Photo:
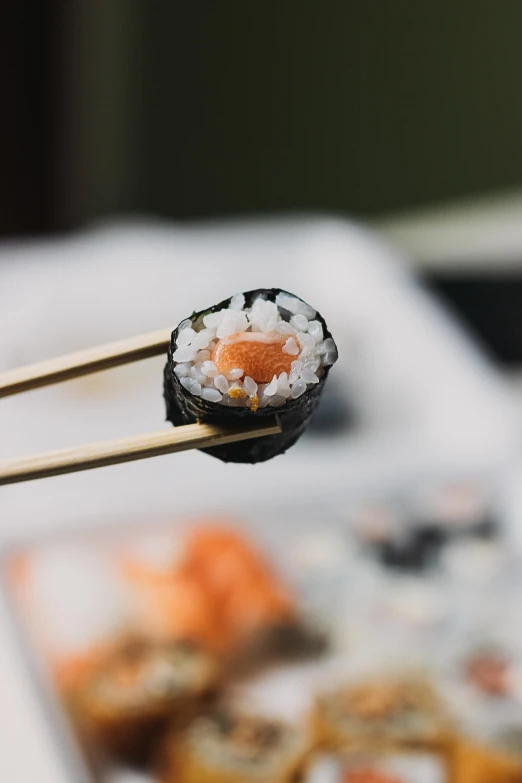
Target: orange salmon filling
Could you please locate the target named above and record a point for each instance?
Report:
(260, 355)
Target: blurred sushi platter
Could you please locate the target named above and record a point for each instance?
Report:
(378, 642)
(347, 613)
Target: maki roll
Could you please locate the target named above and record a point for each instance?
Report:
(230, 747)
(378, 715)
(403, 767)
(138, 690)
(249, 357)
(491, 672)
(488, 759)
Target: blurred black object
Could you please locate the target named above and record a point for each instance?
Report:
(490, 305)
(419, 547)
(415, 550)
(33, 67)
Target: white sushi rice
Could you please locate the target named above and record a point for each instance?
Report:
(199, 375)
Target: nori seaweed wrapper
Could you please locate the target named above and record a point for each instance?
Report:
(186, 408)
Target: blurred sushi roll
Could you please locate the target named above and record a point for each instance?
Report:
(249, 357)
(493, 759)
(381, 714)
(489, 671)
(404, 767)
(412, 550)
(134, 693)
(482, 691)
(483, 685)
(231, 747)
(452, 510)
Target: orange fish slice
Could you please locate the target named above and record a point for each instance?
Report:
(180, 609)
(244, 590)
(259, 354)
(222, 561)
(226, 562)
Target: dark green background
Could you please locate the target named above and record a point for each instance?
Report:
(225, 108)
(203, 109)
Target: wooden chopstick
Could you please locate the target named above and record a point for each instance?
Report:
(113, 452)
(73, 365)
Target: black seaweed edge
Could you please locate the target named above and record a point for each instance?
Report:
(185, 408)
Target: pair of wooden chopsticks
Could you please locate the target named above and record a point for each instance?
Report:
(111, 452)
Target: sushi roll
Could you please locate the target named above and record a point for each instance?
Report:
(230, 747)
(249, 357)
(129, 700)
(488, 760)
(378, 715)
(489, 671)
(404, 767)
(454, 510)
